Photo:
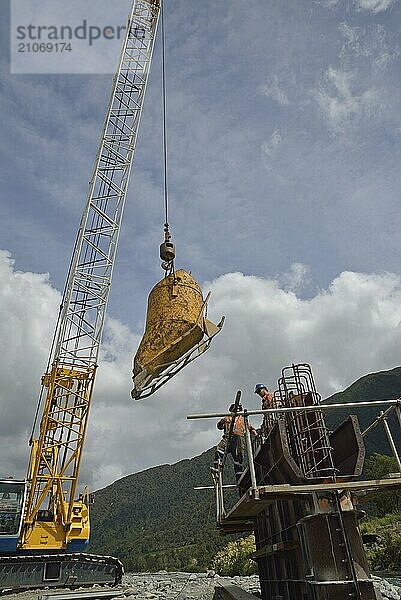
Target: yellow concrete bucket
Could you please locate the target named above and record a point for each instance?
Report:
(176, 332)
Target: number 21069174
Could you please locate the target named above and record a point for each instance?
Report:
(44, 47)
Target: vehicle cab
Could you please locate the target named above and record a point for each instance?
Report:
(12, 499)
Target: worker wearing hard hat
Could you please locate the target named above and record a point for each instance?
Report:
(236, 442)
(267, 402)
(267, 397)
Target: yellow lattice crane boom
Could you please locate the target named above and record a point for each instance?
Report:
(42, 521)
(43, 514)
(56, 453)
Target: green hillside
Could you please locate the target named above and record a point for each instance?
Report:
(155, 520)
(384, 385)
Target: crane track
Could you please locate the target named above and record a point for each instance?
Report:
(82, 595)
(23, 572)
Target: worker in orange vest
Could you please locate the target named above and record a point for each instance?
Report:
(267, 397)
(236, 443)
(267, 402)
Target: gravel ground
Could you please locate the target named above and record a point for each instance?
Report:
(387, 589)
(163, 586)
(182, 586)
(188, 586)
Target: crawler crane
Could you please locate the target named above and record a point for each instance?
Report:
(44, 528)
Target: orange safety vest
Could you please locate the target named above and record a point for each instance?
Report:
(239, 425)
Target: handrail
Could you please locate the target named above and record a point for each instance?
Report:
(392, 404)
(396, 402)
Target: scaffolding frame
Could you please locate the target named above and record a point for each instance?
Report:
(256, 492)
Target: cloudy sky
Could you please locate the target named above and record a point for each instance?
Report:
(284, 122)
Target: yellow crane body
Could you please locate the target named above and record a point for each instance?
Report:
(54, 466)
(42, 521)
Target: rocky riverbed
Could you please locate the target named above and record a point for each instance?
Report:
(387, 590)
(162, 586)
(183, 586)
(187, 586)
(200, 586)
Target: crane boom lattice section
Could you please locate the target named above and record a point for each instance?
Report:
(56, 454)
(88, 286)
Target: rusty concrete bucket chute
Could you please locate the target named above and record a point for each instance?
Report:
(177, 331)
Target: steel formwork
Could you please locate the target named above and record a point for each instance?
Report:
(300, 495)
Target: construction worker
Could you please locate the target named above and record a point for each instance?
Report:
(267, 397)
(267, 402)
(236, 442)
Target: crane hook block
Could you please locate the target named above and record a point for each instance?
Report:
(167, 251)
(176, 332)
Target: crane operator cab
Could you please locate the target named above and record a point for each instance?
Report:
(12, 498)
(177, 331)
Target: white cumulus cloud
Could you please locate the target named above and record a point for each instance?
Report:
(28, 309)
(347, 330)
(296, 278)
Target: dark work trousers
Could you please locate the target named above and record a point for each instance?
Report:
(235, 448)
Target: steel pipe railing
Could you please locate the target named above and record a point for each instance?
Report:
(377, 421)
(391, 442)
(250, 453)
(392, 404)
(284, 409)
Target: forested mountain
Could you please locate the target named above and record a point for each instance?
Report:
(384, 385)
(155, 520)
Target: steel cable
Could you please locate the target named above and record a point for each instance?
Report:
(164, 94)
